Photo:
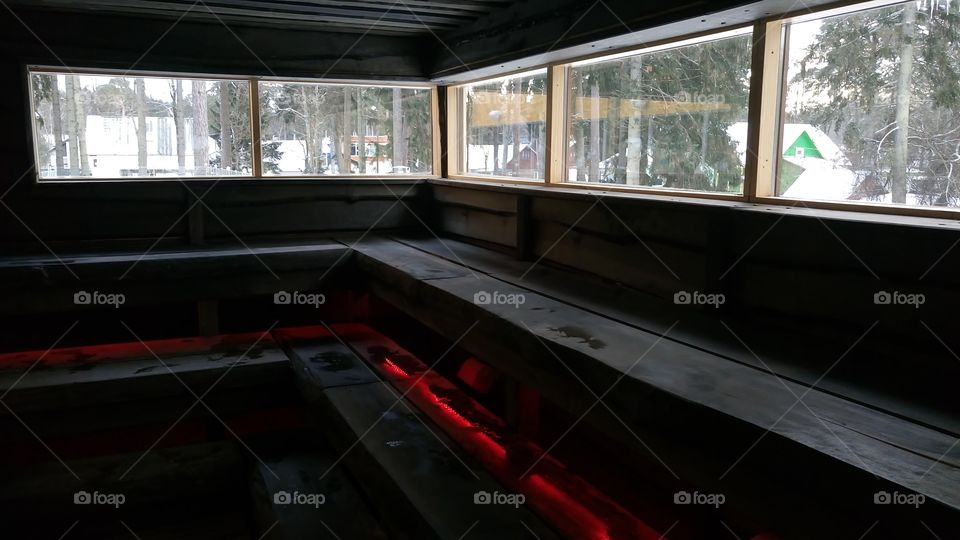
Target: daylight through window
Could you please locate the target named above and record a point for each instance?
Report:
(673, 118)
(105, 126)
(505, 126)
(315, 129)
(872, 107)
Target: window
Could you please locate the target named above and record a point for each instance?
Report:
(504, 132)
(871, 107)
(112, 126)
(670, 118)
(317, 129)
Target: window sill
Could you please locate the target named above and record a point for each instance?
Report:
(244, 180)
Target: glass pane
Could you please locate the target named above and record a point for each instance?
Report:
(88, 126)
(315, 129)
(506, 127)
(873, 107)
(671, 119)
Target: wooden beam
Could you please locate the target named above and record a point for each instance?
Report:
(556, 129)
(765, 110)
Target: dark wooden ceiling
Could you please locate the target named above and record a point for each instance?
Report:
(384, 17)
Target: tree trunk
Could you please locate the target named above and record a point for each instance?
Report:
(347, 140)
(226, 131)
(309, 132)
(71, 111)
(140, 88)
(335, 145)
(634, 137)
(82, 132)
(58, 149)
(399, 155)
(649, 148)
(361, 135)
(622, 127)
(595, 155)
(201, 150)
(517, 96)
(898, 177)
(612, 147)
(178, 127)
(81, 113)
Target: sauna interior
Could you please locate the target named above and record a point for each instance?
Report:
(479, 269)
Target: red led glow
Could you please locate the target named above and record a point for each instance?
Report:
(394, 369)
(565, 509)
(571, 504)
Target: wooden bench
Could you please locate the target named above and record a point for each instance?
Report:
(698, 418)
(417, 476)
(47, 284)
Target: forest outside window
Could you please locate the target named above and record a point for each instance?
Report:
(671, 117)
(309, 129)
(505, 127)
(870, 106)
(117, 126)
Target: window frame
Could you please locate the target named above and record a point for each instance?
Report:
(456, 119)
(765, 109)
(559, 114)
(772, 103)
(254, 114)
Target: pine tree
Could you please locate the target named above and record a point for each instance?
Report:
(888, 86)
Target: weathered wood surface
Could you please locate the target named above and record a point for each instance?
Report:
(196, 487)
(725, 405)
(80, 377)
(859, 377)
(310, 472)
(169, 264)
(487, 226)
(44, 284)
(322, 359)
(406, 467)
(503, 452)
(528, 31)
(166, 44)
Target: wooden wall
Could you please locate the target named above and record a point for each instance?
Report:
(812, 273)
(84, 216)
